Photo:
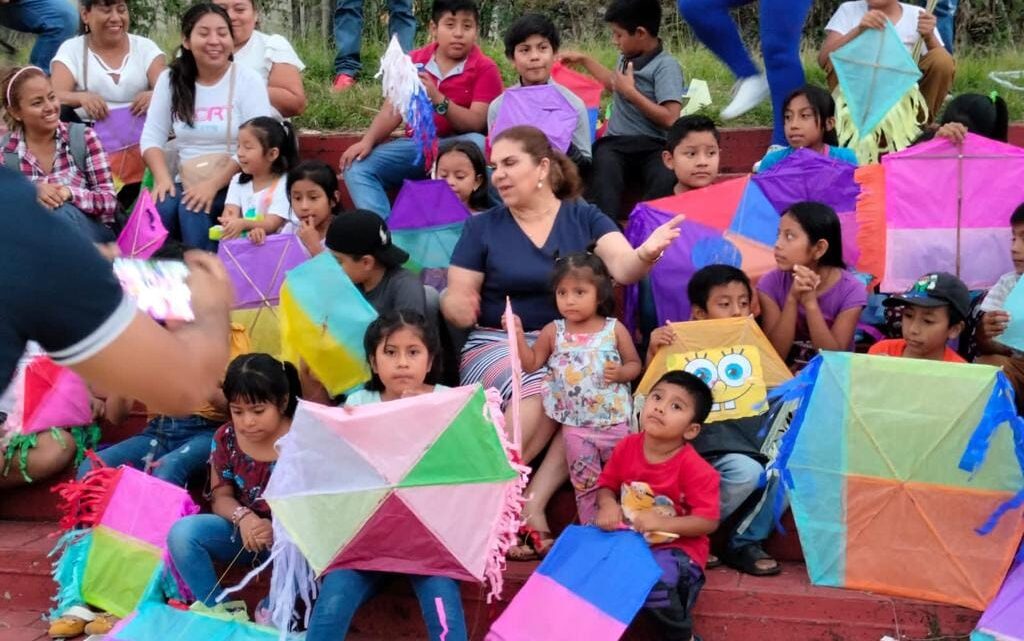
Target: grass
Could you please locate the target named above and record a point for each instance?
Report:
(353, 110)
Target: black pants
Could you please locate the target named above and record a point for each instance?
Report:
(627, 163)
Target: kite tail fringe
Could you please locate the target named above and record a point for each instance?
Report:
(401, 84)
(71, 550)
(898, 130)
(871, 230)
(18, 449)
(82, 501)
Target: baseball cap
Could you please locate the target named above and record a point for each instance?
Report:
(363, 233)
(935, 290)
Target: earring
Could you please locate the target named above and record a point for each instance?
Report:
(540, 183)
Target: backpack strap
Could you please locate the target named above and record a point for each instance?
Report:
(11, 160)
(76, 135)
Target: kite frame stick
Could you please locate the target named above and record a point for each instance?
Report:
(264, 301)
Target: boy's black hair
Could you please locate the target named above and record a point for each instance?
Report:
(272, 134)
(1017, 217)
(479, 199)
(261, 378)
(687, 125)
(819, 221)
(390, 322)
(986, 116)
(532, 24)
(633, 14)
(441, 8)
(578, 264)
(170, 250)
(824, 108)
(711, 276)
(698, 390)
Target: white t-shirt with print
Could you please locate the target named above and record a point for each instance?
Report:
(270, 201)
(263, 51)
(133, 74)
(849, 14)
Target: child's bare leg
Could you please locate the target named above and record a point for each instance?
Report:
(47, 458)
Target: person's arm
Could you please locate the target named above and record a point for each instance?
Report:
(779, 324)
(460, 302)
(631, 364)
(142, 100)
(155, 134)
(534, 358)
(836, 338)
(98, 198)
(660, 337)
(64, 85)
(993, 323)
(284, 87)
(628, 265)
(663, 114)
(472, 119)
(386, 120)
(609, 512)
(600, 72)
(926, 24)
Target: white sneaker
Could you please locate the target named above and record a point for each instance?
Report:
(747, 93)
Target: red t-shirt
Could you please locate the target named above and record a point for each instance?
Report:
(479, 81)
(685, 485)
(896, 347)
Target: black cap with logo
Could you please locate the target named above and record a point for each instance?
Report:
(363, 233)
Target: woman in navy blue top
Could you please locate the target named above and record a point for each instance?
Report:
(511, 250)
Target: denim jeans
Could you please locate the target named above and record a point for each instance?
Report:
(945, 18)
(195, 542)
(740, 476)
(84, 224)
(192, 228)
(368, 180)
(760, 521)
(178, 449)
(343, 591)
(53, 21)
(348, 31)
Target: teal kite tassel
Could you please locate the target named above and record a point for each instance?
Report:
(72, 549)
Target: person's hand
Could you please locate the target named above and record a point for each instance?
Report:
(308, 234)
(95, 107)
(435, 95)
(662, 337)
(609, 517)
(110, 251)
(623, 82)
(163, 188)
(518, 322)
(954, 132)
(926, 24)
(51, 196)
(257, 235)
(463, 306)
(212, 292)
(571, 57)
(874, 19)
(805, 285)
(233, 226)
(648, 521)
(140, 105)
(612, 372)
(356, 152)
(199, 197)
(994, 323)
(659, 240)
(98, 407)
(263, 534)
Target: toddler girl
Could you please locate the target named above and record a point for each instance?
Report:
(313, 190)
(810, 121)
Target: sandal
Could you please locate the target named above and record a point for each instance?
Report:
(534, 545)
(70, 624)
(713, 562)
(102, 624)
(746, 558)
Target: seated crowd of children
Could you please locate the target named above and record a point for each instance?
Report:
(700, 478)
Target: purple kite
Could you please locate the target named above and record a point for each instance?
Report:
(426, 221)
(1004, 618)
(120, 129)
(540, 106)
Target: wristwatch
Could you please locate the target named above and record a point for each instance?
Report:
(442, 107)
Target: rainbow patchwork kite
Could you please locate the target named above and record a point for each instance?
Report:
(902, 492)
(590, 586)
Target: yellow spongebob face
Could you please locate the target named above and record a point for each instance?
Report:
(734, 376)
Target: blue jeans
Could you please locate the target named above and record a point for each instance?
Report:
(343, 591)
(348, 31)
(178, 448)
(192, 228)
(368, 180)
(53, 21)
(195, 542)
(740, 477)
(945, 18)
(760, 521)
(84, 224)
(782, 23)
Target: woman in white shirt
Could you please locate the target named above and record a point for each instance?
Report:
(269, 55)
(202, 99)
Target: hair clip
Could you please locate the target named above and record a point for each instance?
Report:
(994, 95)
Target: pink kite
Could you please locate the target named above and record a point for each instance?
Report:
(48, 395)
(144, 232)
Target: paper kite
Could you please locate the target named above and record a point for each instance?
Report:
(734, 375)
(120, 129)
(47, 395)
(159, 621)
(729, 222)
(879, 106)
(121, 559)
(590, 586)
(323, 320)
(1013, 335)
(426, 221)
(586, 87)
(540, 106)
(144, 233)
(257, 273)
(404, 89)
(936, 207)
(901, 492)
(1003, 620)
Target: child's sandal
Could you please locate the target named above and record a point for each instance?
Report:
(534, 545)
(70, 624)
(102, 624)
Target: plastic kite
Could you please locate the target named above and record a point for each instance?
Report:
(144, 233)
(48, 395)
(120, 129)
(421, 485)
(323, 320)
(1004, 618)
(590, 586)
(159, 621)
(404, 89)
(257, 272)
(904, 493)
(879, 106)
(586, 87)
(426, 221)
(734, 375)
(541, 106)
(936, 207)
(729, 222)
(121, 559)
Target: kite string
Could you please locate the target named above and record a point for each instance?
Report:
(182, 634)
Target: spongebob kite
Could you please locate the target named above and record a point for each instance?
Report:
(734, 376)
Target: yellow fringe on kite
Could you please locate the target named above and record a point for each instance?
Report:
(871, 229)
(900, 127)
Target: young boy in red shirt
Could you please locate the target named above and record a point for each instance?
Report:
(934, 311)
(668, 493)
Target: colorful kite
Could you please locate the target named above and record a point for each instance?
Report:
(121, 559)
(935, 207)
(257, 272)
(879, 106)
(734, 375)
(144, 233)
(590, 586)
(586, 87)
(48, 395)
(323, 321)
(1004, 618)
(158, 621)
(729, 222)
(899, 492)
(426, 221)
(541, 106)
(403, 88)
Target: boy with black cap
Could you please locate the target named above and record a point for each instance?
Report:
(934, 311)
(361, 243)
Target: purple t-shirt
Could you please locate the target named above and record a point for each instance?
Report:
(847, 293)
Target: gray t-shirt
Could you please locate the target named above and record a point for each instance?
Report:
(659, 77)
(398, 289)
(581, 136)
